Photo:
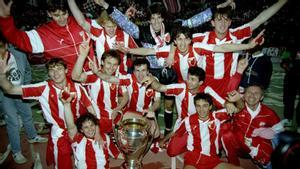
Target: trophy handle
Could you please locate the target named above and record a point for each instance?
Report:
(116, 124)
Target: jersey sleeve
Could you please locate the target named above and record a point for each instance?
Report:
(174, 89)
(241, 33)
(162, 52)
(33, 91)
(29, 41)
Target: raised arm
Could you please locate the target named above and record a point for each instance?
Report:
(122, 20)
(5, 84)
(79, 16)
(68, 115)
(135, 51)
(266, 14)
(84, 49)
(205, 16)
(28, 41)
(238, 47)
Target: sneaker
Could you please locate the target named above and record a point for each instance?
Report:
(38, 139)
(19, 158)
(5, 154)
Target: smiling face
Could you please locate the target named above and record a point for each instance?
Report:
(110, 28)
(110, 65)
(60, 17)
(57, 73)
(88, 129)
(193, 82)
(221, 24)
(156, 22)
(140, 72)
(203, 109)
(182, 43)
(253, 95)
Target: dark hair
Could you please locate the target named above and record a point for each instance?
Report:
(226, 11)
(111, 53)
(203, 96)
(141, 61)
(55, 61)
(54, 5)
(197, 71)
(155, 8)
(178, 29)
(256, 85)
(83, 118)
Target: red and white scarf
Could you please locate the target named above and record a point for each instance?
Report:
(163, 38)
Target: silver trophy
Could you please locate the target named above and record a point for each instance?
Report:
(133, 139)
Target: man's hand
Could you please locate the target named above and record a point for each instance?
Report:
(84, 47)
(148, 80)
(258, 40)
(243, 64)
(233, 96)
(121, 47)
(93, 65)
(170, 59)
(66, 96)
(5, 8)
(230, 108)
(130, 12)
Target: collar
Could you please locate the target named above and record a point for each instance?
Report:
(255, 112)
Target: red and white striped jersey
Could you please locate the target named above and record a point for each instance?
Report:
(88, 154)
(203, 135)
(104, 43)
(184, 100)
(221, 65)
(104, 96)
(140, 97)
(48, 96)
(183, 62)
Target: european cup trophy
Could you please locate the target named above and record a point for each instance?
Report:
(133, 139)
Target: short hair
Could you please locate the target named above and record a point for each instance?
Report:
(54, 5)
(111, 53)
(203, 96)
(55, 61)
(155, 8)
(256, 85)
(197, 71)
(104, 17)
(83, 118)
(176, 31)
(226, 11)
(141, 61)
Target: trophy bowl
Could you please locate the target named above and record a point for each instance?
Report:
(133, 139)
